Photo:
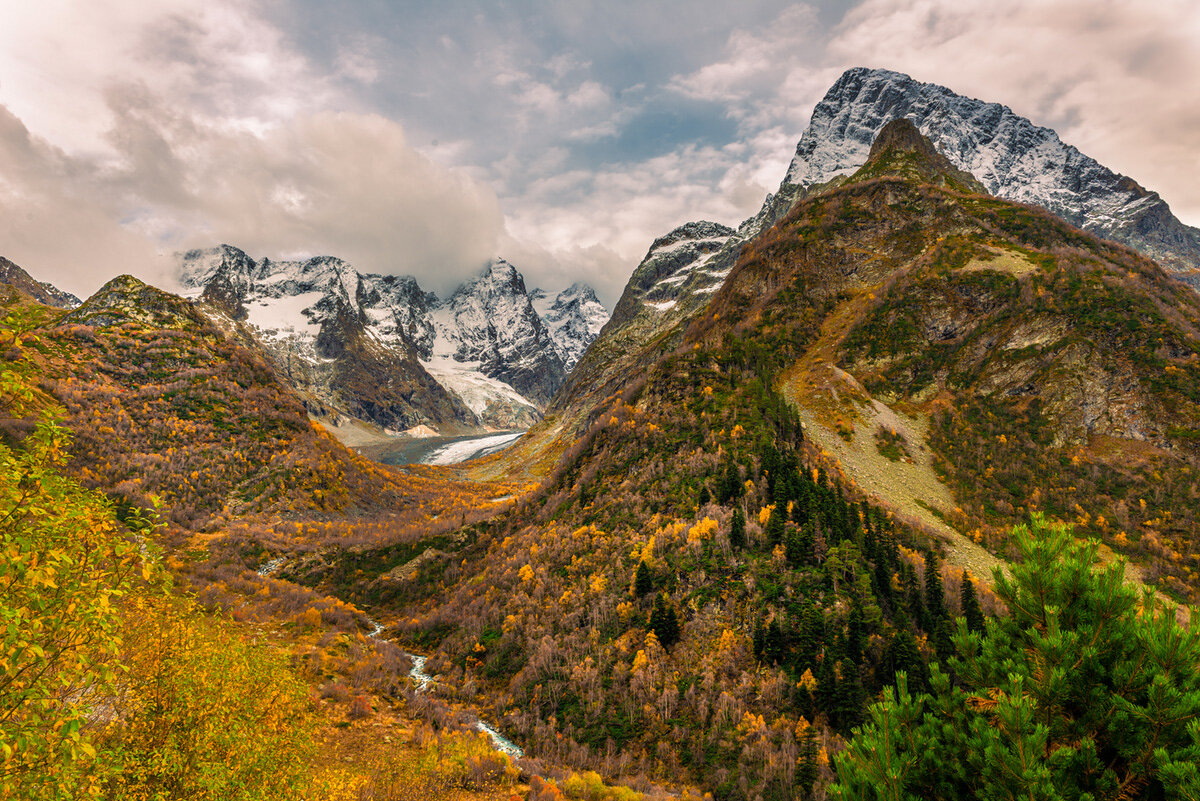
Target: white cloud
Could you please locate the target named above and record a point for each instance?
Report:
(189, 122)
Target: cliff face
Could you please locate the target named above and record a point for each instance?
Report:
(1013, 159)
(379, 348)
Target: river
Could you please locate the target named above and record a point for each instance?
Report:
(439, 450)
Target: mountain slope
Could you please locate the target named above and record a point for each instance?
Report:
(346, 344)
(378, 348)
(1013, 158)
(708, 584)
(162, 404)
(39, 291)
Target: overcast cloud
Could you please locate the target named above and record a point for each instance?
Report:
(421, 138)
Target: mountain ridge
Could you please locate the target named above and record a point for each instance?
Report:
(495, 359)
(1011, 156)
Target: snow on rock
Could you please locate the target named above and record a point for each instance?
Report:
(486, 343)
(455, 452)
(1012, 157)
(573, 319)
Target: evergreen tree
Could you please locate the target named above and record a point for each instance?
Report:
(848, 697)
(737, 529)
(807, 771)
(811, 637)
(775, 527)
(730, 487)
(903, 656)
(643, 579)
(794, 546)
(970, 605)
(773, 645)
(1084, 691)
(826, 683)
(856, 635)
(664, 622)
(705, 496)
(935, 593)
(883, 581)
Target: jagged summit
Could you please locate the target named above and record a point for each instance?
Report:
(486, 345)
(40, 291)
(900, 149)
(1009, 155)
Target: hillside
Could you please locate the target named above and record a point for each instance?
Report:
(710, 544)
(166, 410)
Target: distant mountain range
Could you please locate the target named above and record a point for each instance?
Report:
(381, 349)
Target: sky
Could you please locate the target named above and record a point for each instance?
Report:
(426, 138)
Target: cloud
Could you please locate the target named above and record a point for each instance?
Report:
(201, 125)
(54, 225)
(417, 138)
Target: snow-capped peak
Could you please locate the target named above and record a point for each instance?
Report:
(574, 319)
(1012, 157)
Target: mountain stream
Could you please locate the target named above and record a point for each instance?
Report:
(422, 679)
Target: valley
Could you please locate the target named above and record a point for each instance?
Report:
(848, 483)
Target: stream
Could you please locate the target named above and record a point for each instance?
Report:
(422, 679)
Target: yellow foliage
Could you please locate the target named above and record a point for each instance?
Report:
(526, 573)
(702, 531)
(764, 514)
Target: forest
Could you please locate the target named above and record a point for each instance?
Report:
(207, 596)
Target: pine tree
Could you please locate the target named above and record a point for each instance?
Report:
(903, 656)
(737, 529)
(935, 593)
(856, 635)
(643, 579)
(970, 605)
(775, 527)
(705, 497)
(1082, 691)
(664, 622)
(730, 487)
(848, 697)
(807, 771)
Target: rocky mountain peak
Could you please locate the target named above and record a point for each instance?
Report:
(486, 344)
(900, 135)
(573, 319)
(126, 299)
(40, 291)
(1010, 156)
(901, 150)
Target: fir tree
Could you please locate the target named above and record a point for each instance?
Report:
(775, 527)
(730, 487)
(1082, 691)
(664, 622)
(970, 605)
(807, 771)
(737, 529)
(855, 633)
(935, 593)
(643, 579)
